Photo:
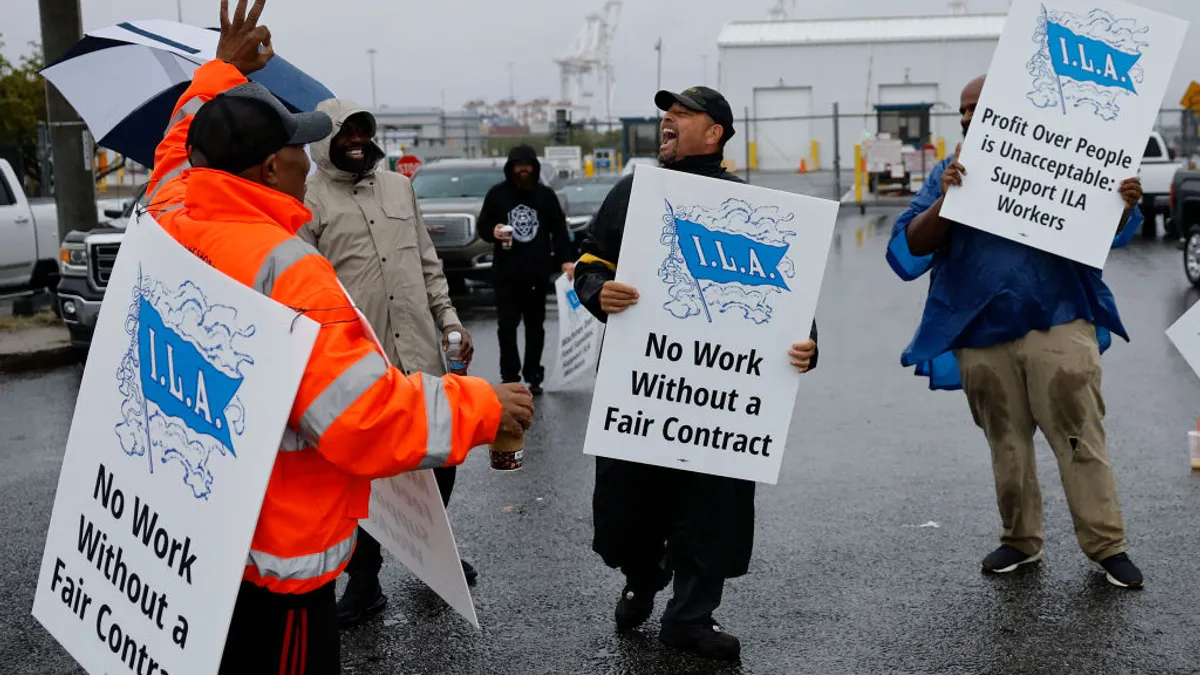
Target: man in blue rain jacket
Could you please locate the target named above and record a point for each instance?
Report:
(1021, 332)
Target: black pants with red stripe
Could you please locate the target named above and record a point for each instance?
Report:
(273, 633)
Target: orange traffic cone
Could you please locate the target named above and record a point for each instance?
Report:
(803, 167)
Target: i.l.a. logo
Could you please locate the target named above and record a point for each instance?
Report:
(732, 258)
(179, 381)
(1086, 62)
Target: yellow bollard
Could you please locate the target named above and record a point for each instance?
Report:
(941, 148)
(589, 168)
(752, 160)
(816, 155)
(103, 159)
(858, 173)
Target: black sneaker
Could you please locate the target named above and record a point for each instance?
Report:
(1120, 571)
(1007, 559)
(363, 599)
(633, 608)
(469, 572)
(705, 638)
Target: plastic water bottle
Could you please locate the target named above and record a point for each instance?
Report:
(454, 360)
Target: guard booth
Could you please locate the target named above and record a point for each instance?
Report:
(907, 126)
(906, 122)
(640, 137)
(891, 165)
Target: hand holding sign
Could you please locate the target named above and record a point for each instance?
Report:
(953, 173)
(801, 355)
(1131, 191)
(616, 297)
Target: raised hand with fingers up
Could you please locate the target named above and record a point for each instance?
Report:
(244, 44)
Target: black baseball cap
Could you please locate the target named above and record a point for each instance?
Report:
(243, 126)
(700, 99)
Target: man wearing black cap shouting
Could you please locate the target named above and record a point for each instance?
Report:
(650, 521)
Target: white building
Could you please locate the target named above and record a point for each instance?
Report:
(431, 132)
(897, 75)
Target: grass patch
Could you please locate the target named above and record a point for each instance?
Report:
(40, 320)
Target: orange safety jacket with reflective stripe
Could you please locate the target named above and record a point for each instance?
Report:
(355, 418)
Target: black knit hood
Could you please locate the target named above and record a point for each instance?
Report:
(522, 153)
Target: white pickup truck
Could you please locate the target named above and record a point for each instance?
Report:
(1157, 172)
(29, 244)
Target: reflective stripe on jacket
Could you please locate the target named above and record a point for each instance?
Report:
(354, 417)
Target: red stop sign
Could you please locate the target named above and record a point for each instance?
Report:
(408, 165)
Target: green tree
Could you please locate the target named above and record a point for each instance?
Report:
(22, 105)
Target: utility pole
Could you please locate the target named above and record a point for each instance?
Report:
(179, 9)
(71, 144)
(374, 103)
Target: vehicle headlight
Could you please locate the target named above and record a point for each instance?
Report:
(73, 260)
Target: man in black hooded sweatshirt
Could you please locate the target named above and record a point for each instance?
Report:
(536, 246)
(654, 522)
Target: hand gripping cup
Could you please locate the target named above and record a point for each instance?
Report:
(506, 452)
(506, 243)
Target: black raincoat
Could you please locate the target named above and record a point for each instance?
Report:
(707, 522)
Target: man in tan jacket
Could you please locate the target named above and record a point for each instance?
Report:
(367, 224)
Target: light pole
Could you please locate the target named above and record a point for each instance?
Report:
(179, 9)
(658, 48)
(374, 103)
(658, 82)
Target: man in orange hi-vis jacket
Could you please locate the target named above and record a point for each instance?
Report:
(228, 184)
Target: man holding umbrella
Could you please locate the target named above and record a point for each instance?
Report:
(231, 182)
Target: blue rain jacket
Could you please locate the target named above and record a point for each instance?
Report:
(986, 290)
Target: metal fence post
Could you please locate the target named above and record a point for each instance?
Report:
(837, 155)
(747, 125)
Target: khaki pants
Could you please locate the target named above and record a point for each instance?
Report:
(1048, 380)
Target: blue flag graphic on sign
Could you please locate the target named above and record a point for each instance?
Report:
(180, 381)
(1086, 60)
(729, 258)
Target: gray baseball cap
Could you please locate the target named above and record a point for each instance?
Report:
(241, 127)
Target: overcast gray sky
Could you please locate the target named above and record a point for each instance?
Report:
(463, 47)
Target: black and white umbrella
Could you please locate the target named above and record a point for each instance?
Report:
(125, 80)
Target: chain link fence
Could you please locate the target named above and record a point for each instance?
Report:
(817, 154)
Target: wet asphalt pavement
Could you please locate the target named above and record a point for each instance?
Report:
(867, 552)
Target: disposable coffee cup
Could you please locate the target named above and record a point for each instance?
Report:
(506, 452)
(506, 243)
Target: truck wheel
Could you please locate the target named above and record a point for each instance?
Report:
(1171, 229)
(1191, 256)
